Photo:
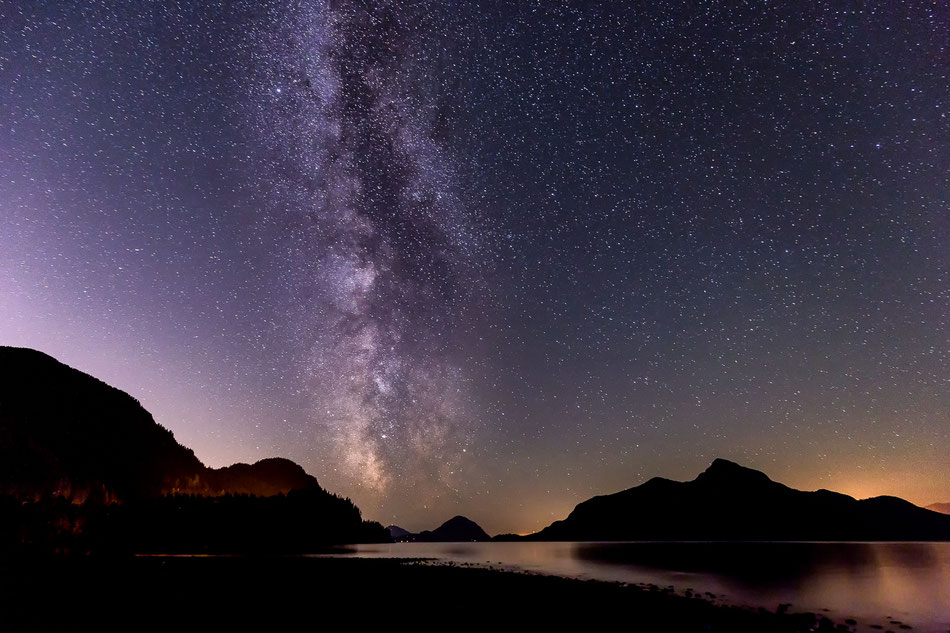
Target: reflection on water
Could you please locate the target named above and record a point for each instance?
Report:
(871, 582)
(766, 565)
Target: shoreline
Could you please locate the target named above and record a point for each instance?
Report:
(288, 593)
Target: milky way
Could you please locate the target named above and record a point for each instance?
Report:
(383, 247)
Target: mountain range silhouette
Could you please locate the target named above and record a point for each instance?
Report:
(72, 446)
(731, 502)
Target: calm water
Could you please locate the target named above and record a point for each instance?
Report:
(870, 582)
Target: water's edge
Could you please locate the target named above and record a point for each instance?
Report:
(885, 584)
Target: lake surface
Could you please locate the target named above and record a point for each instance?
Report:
(874, 583)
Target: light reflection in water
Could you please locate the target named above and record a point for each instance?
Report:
(872, 582)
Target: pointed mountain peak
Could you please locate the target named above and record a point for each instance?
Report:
(458, 528)
(723, 464)
(458, 519)
(397, 532)
(722, 471)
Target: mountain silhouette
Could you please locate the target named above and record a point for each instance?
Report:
(82, 462)
(457, 529)
(942, 508)
(66, 434)
(730, 502)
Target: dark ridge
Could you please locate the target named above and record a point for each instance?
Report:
(264, 478)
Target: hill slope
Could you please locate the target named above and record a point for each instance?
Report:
(64, 433)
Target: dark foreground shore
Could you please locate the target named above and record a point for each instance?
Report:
(304, 594)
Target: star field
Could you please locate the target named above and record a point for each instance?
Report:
(494, 258)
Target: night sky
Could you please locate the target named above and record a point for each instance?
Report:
(493, 258)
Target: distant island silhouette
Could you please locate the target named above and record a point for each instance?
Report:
(730, 502)
(942, 508)
(457, 529)
(83, 466)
